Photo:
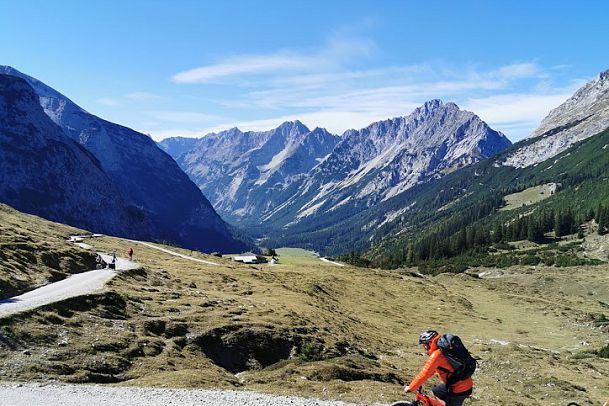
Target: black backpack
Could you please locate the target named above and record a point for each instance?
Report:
(459, 358)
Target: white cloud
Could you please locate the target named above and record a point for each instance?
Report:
(142, 96)
(508, 108)
(187, 117)
(519, 71)
(107, 101)
(333, 87)
(333, 55)
(516, 115)
(244, 65)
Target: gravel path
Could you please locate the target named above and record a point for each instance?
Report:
(331, 262)
(174, 253)
(75, 285)
(89, 395)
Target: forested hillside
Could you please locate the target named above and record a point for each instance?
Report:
(460, 217)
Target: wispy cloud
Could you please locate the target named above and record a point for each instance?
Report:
(186, 117)
(333, 55)
(244, 65)
(410, 85)
(335, 87)
(129, 98)
(142, 96)
(107, 101)
(515, 114)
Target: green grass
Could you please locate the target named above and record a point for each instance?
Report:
(296, 252)
(292, 257)
(528, 196)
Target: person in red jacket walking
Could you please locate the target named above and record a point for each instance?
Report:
(130, 252)
(437, 363)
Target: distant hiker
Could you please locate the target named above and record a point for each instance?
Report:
(130, 252)
(457, 382)
(113, 263)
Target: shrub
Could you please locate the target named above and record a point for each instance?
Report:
(603, 352)
(311, 351)
(600, 320)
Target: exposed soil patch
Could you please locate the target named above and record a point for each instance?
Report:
(238, 348)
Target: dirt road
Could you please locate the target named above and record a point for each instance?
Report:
(75, 285)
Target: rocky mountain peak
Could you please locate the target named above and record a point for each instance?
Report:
(234, 130)
(583, 115)
(432, 104)
(433, 108)
(293, 126)
(320, 131)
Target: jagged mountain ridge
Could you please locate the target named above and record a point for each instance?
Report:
(177, 146)
(387, 158)
(246, 174)
(145, 176)
(362, 172)
(583, 115)
(42, 171)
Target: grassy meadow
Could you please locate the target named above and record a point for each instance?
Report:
(304, 326)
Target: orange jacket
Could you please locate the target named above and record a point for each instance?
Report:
(437, 363)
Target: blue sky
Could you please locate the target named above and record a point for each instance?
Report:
(191, 67)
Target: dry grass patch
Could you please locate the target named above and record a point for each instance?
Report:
(34, 252)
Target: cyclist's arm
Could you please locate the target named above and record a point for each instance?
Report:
(427, 372)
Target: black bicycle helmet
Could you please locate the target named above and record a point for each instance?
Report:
(426, 336)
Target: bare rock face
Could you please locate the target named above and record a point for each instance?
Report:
(44, 172)
(146, 179)
(389, 157)
(246, 174)
(289, 174)
(585, 114)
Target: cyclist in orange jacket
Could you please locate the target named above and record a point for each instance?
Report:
(437, 363)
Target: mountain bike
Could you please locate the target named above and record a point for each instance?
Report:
(420, 399)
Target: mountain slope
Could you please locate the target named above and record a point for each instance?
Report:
(145, 177)
(44, 172)
(471, 197)
(34, 252)
(177, 146)
(304, 326)
(583, 115)
(356, 189)
(247, 174)
(296, 185)
(389, 157)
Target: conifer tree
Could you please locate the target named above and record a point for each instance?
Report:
(603, 220)
(535, 232)
(498, 233)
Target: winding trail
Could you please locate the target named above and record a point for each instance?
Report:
(174, 253)
(78, 284)
(331, 262)
(75, 285)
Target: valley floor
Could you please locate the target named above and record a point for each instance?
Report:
(304, 327)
